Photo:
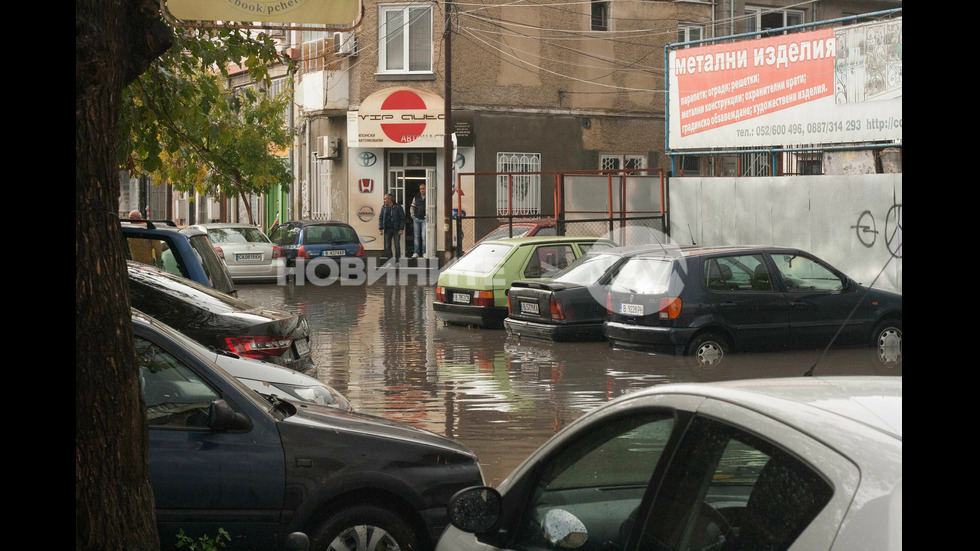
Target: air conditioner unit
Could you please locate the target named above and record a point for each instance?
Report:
(345, 43)
(328, 147)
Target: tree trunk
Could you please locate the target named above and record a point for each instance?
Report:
(114, 41)
(248, 206)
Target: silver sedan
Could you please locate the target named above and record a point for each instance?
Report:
(246, 250)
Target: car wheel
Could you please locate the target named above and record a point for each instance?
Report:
(708, 349)
(365, 528)
(888, 342)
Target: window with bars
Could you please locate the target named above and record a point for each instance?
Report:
(525, 189)
(405, 38)
(620, 162)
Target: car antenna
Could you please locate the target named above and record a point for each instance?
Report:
(810, 371)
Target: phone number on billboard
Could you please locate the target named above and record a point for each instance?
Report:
(798, 129)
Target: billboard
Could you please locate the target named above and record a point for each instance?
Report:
(829, 86)
(333, 13)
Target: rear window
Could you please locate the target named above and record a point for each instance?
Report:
(587, 270)
(643, 276)
(483, 259)
(236, 235)
(214, 268)
(328, 234)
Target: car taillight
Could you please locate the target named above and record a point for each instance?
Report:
(670, 308)
(221, 254)
(509, 298)
(440, 294)
(301, 253)
(259, 347)
(360, 249)
(483, 298)
(276, 252)
(557, 312)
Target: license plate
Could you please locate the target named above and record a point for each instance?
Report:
(461, 298)
(334, 252)
(302, 347)
(529, 308)
(631, 309)
(248, 256)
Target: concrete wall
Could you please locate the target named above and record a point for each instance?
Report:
(852, 222)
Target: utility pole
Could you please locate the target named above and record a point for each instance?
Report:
(449, 162)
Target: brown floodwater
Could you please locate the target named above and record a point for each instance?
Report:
(382, 346)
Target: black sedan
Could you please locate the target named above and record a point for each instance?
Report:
(571, 306)
(707, 302)
(260, 467)
(217, 320)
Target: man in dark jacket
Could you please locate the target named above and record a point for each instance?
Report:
(392, 224)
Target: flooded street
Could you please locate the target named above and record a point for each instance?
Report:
(383, 347)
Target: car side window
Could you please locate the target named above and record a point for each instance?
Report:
(588, 491)
(155, 252)
(548, 259)
(176, 398)
(802, 274)
(729, 489)
(737, 273)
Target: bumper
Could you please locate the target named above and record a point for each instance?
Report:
(665, 340)
(485, 316)
(554, 331)
(255, 271)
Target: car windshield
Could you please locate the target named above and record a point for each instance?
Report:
(643, 276)
(483, 258)
(587, 270)
(236, 235)
(325, 234)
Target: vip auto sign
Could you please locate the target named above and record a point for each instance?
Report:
(397, 117)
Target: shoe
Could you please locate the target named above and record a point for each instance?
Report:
(416, 255)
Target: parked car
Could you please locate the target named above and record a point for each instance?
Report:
(544, 227)
(269, 379)
(571, 304)
(805, 463)
(222, 456)
(186, 252)
(309, 239)
(707, 302)
(248, 253)
(220, 321)
(473, 290)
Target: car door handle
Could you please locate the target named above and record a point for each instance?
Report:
(799, 304)
(730, 304)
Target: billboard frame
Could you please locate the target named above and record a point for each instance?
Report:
(767, 149)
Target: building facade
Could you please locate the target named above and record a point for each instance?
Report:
(534, 88)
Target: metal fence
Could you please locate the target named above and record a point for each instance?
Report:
(625, 205)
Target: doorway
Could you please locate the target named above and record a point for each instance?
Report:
(407, 170)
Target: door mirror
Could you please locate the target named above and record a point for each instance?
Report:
(221, 417)
(475, 510)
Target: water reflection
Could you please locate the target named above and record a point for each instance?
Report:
(382, 346)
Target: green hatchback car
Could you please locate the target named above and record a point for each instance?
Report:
(473, 290)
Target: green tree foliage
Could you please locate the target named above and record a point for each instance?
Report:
(180, 123)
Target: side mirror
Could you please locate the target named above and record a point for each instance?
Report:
(475, 510)
(221, 417)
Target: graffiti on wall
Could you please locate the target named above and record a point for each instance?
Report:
(867, 231)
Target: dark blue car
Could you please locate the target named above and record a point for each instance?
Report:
(224, 457)
(310, 239)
